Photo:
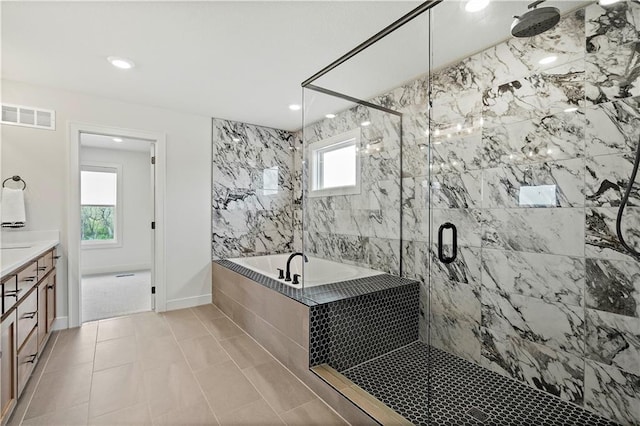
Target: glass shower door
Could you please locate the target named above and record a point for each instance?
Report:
(531, 149)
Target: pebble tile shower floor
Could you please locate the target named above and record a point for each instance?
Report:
(462, 392)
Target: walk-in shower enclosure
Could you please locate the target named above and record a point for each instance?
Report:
(490, 168)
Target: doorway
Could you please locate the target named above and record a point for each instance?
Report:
(116, 215)
(116, 206)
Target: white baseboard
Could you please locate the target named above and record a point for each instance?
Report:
(60, 323)
(112, 269)
(188, 302)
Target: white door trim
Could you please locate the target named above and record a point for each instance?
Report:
(73, 227)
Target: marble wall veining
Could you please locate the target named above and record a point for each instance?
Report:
(252, 190)
(361, 229)
(541, 291)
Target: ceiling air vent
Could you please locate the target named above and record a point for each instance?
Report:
(19, 115)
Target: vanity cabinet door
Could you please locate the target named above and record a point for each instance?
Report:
(51, 301)
(43, 292)
(8, 367)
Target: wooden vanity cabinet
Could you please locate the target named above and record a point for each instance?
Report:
(8, 366)
(28, 313)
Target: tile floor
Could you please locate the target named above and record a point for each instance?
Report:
(462, 392)
(191, 366)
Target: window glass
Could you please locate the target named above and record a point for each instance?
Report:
(98, 197)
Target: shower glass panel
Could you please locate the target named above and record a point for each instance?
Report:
(358, 108)
(531, 151)
(351, 179)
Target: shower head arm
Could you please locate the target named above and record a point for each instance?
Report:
(535, 4)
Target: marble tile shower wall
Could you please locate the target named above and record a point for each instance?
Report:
(252, 190)
(362, 229)
(545, 295)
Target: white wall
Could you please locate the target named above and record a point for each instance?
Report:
(41, 157)
(134, 251)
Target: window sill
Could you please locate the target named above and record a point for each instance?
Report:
(342, 190)
(97, 244)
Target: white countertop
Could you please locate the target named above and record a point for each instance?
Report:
(14, 255)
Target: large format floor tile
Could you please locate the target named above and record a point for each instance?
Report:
(187, 367)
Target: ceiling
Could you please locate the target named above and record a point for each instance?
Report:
(241, 61)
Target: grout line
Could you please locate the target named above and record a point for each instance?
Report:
(274, 358)
(238, 366)
(39, 379)
(193, 374)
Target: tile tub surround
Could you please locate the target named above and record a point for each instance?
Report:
(281, 325)
(535, 290)
(252, 190)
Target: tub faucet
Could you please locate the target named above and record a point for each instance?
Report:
(288, 275)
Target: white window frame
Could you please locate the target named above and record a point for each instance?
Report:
(91, 166)
(338, 141)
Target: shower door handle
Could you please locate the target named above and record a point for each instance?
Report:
(454, 254)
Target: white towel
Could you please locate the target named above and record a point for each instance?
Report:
(13, 212)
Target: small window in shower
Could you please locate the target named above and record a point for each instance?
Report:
(335, 165)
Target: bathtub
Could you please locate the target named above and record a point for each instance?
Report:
(316, 272)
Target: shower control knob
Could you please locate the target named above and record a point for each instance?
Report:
(280, 274)
(296, 279)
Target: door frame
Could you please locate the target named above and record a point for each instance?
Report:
(75, 129)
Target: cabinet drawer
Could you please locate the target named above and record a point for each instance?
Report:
(27, 360)
(45, 264)
(9, 293)
(27, 316)
(27, 278)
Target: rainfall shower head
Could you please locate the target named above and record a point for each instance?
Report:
(535, 21)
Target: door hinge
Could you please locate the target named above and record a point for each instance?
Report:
(153, 289)
(153, 225)
(153, 160)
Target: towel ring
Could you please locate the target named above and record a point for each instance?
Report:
(16, 178)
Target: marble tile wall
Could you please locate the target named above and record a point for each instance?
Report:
(252, 190)
(361, 229)
(541, 291)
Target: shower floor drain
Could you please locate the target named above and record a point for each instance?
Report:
(478, 414)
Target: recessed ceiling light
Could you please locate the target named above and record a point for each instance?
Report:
(122, 63)
(117, 139)
(571, 109)
(365, 123)
(330, 116)
(547, 60)
(476, 5)
(294, 107)
(608, 2)
(236, 139)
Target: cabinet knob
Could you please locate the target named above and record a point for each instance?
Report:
(29, 315)
(57, 257)
(50, 287)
